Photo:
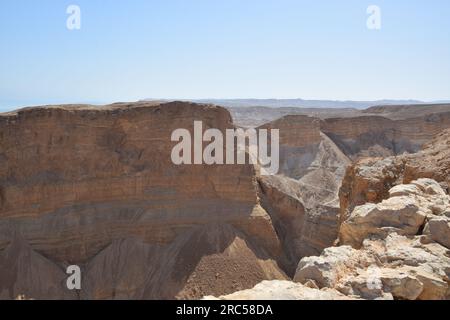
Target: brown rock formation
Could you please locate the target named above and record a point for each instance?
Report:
(314, 153)
(379, 136)
(401, 112)
(302, 198)
(96, 187)
(303, 231)
(252, 116)
(296, 131)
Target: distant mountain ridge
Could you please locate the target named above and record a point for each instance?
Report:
(301, 103)
(6, 106)
(256, 116)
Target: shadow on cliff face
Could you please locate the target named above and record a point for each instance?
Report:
(214, 259)
(2, 196)
(24, 272)
(374, 144)
(303, 231)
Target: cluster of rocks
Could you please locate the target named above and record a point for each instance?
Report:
(397, 249)
(394, 234)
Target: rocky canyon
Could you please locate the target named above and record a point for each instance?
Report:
(360, 208)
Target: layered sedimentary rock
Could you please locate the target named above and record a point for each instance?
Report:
(302, 198)
(371, 136)
(96, 187)
(254, 116)
(305, 150)
(296, 131)
(405, 111)
(303, 231)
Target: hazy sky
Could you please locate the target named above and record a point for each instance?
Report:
(135, 49)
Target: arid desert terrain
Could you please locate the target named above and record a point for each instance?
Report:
(360, 207)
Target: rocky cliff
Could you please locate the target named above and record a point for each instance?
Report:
(397, 249)
(96, 187)
(314, 154)
(394, 235)
(371, 136)
(303, 198)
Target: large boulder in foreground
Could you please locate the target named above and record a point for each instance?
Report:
(282, 290)
(396, 249)
(396, 267)
(405, 212)
(439, 229)
(370, 179)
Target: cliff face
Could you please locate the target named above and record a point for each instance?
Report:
(314, 154)
(96, 186)
(296, 130)
(302, 198)
(394, 235)
(379, 136)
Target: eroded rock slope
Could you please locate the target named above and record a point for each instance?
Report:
(394, 235)
(96, 187)
(303, 199)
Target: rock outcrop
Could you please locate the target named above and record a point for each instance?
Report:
(397, 258)
(303, 231)
(396, 267)
(389, 250)
(282, 290)
(314, 154)
(393, 236)
(96, 187)
(369, 180)
(406, 212)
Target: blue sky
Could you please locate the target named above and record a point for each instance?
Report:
(135, 49)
